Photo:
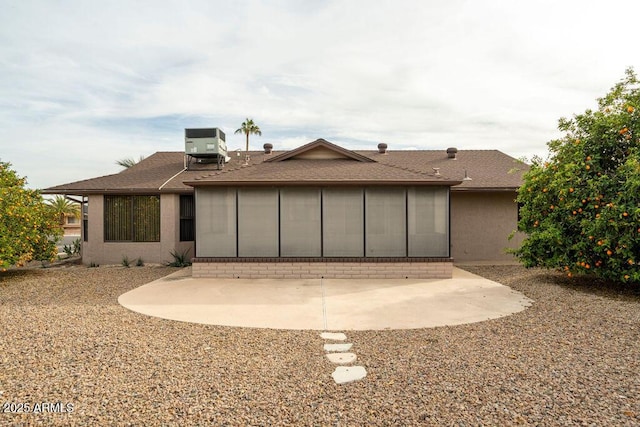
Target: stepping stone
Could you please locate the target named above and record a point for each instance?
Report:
(347, 374)
(341, 358)
(337, 347)
(336, 336)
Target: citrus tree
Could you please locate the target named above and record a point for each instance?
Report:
(581, 208)
(28, 227)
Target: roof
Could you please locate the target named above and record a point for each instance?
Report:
(317, 163)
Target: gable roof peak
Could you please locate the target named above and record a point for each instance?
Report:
(320, 149)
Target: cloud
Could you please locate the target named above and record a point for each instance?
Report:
(87, 83)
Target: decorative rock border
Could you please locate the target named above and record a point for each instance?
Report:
(338, 353)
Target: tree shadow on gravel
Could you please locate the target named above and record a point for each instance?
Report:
(595, 286)
(522, 279)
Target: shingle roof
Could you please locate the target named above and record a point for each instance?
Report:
(165, 171)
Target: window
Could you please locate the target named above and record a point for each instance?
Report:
(187, 216)
(85, 221)
(132, 218)
(71, 220)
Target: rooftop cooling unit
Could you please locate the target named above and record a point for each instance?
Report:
(209, 142)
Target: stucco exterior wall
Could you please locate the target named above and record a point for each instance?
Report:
(480, 225)
(97, 251)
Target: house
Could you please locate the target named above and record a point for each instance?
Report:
(319, 210)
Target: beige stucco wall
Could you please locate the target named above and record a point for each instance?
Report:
(480, 225)
(97, 251)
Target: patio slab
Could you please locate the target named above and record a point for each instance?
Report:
(326, 304)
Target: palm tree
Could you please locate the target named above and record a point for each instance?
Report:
(63, 207)
(128, 162)
(249, 127)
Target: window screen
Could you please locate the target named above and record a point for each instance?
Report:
(257, 222)
(428, 217)
(187, 216)
(132, 218)
(343, 216)
(385, 222)
(216, 225)
(300, 222)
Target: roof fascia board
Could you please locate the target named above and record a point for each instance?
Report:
(263, 183)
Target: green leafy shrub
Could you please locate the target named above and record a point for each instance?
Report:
(139, 262)
(28, 228)
(581, 208)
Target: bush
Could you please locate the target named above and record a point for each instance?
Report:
(125, 261)
(581, 208)
(28, 228)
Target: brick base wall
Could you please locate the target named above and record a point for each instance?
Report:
(279, 268)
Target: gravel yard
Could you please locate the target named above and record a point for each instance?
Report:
(573, 358)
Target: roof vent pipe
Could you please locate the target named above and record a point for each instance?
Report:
(267, 148)
(451, 152)
(382, 148)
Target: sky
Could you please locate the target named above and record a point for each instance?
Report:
(86, 83)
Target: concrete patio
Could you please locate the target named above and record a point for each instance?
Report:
(326, 304)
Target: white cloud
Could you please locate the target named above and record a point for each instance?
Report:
(86, 83)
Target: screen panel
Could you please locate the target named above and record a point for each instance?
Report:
(428, 215)
(343, 217)
(258, 222)
(386, 222)
(216, 222)
(300, 228)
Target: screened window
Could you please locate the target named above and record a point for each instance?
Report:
(85, 221)
(132, 218)
(258, 231)
(300, 227)
(343, 217)
(187, 218)
(385, 222)
(216, 225)
(428, 222)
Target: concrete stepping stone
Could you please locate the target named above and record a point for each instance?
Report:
(347, 374)
(341, 358)
(338, 347)
(336, 336)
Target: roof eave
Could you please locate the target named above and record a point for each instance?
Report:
(266, 183)
(484, 189)
(88, 192)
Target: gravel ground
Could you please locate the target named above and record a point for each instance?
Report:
(573, 358)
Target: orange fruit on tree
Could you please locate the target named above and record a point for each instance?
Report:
(625, 214)
(609, 252)
(630, 109)
(587, 167)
